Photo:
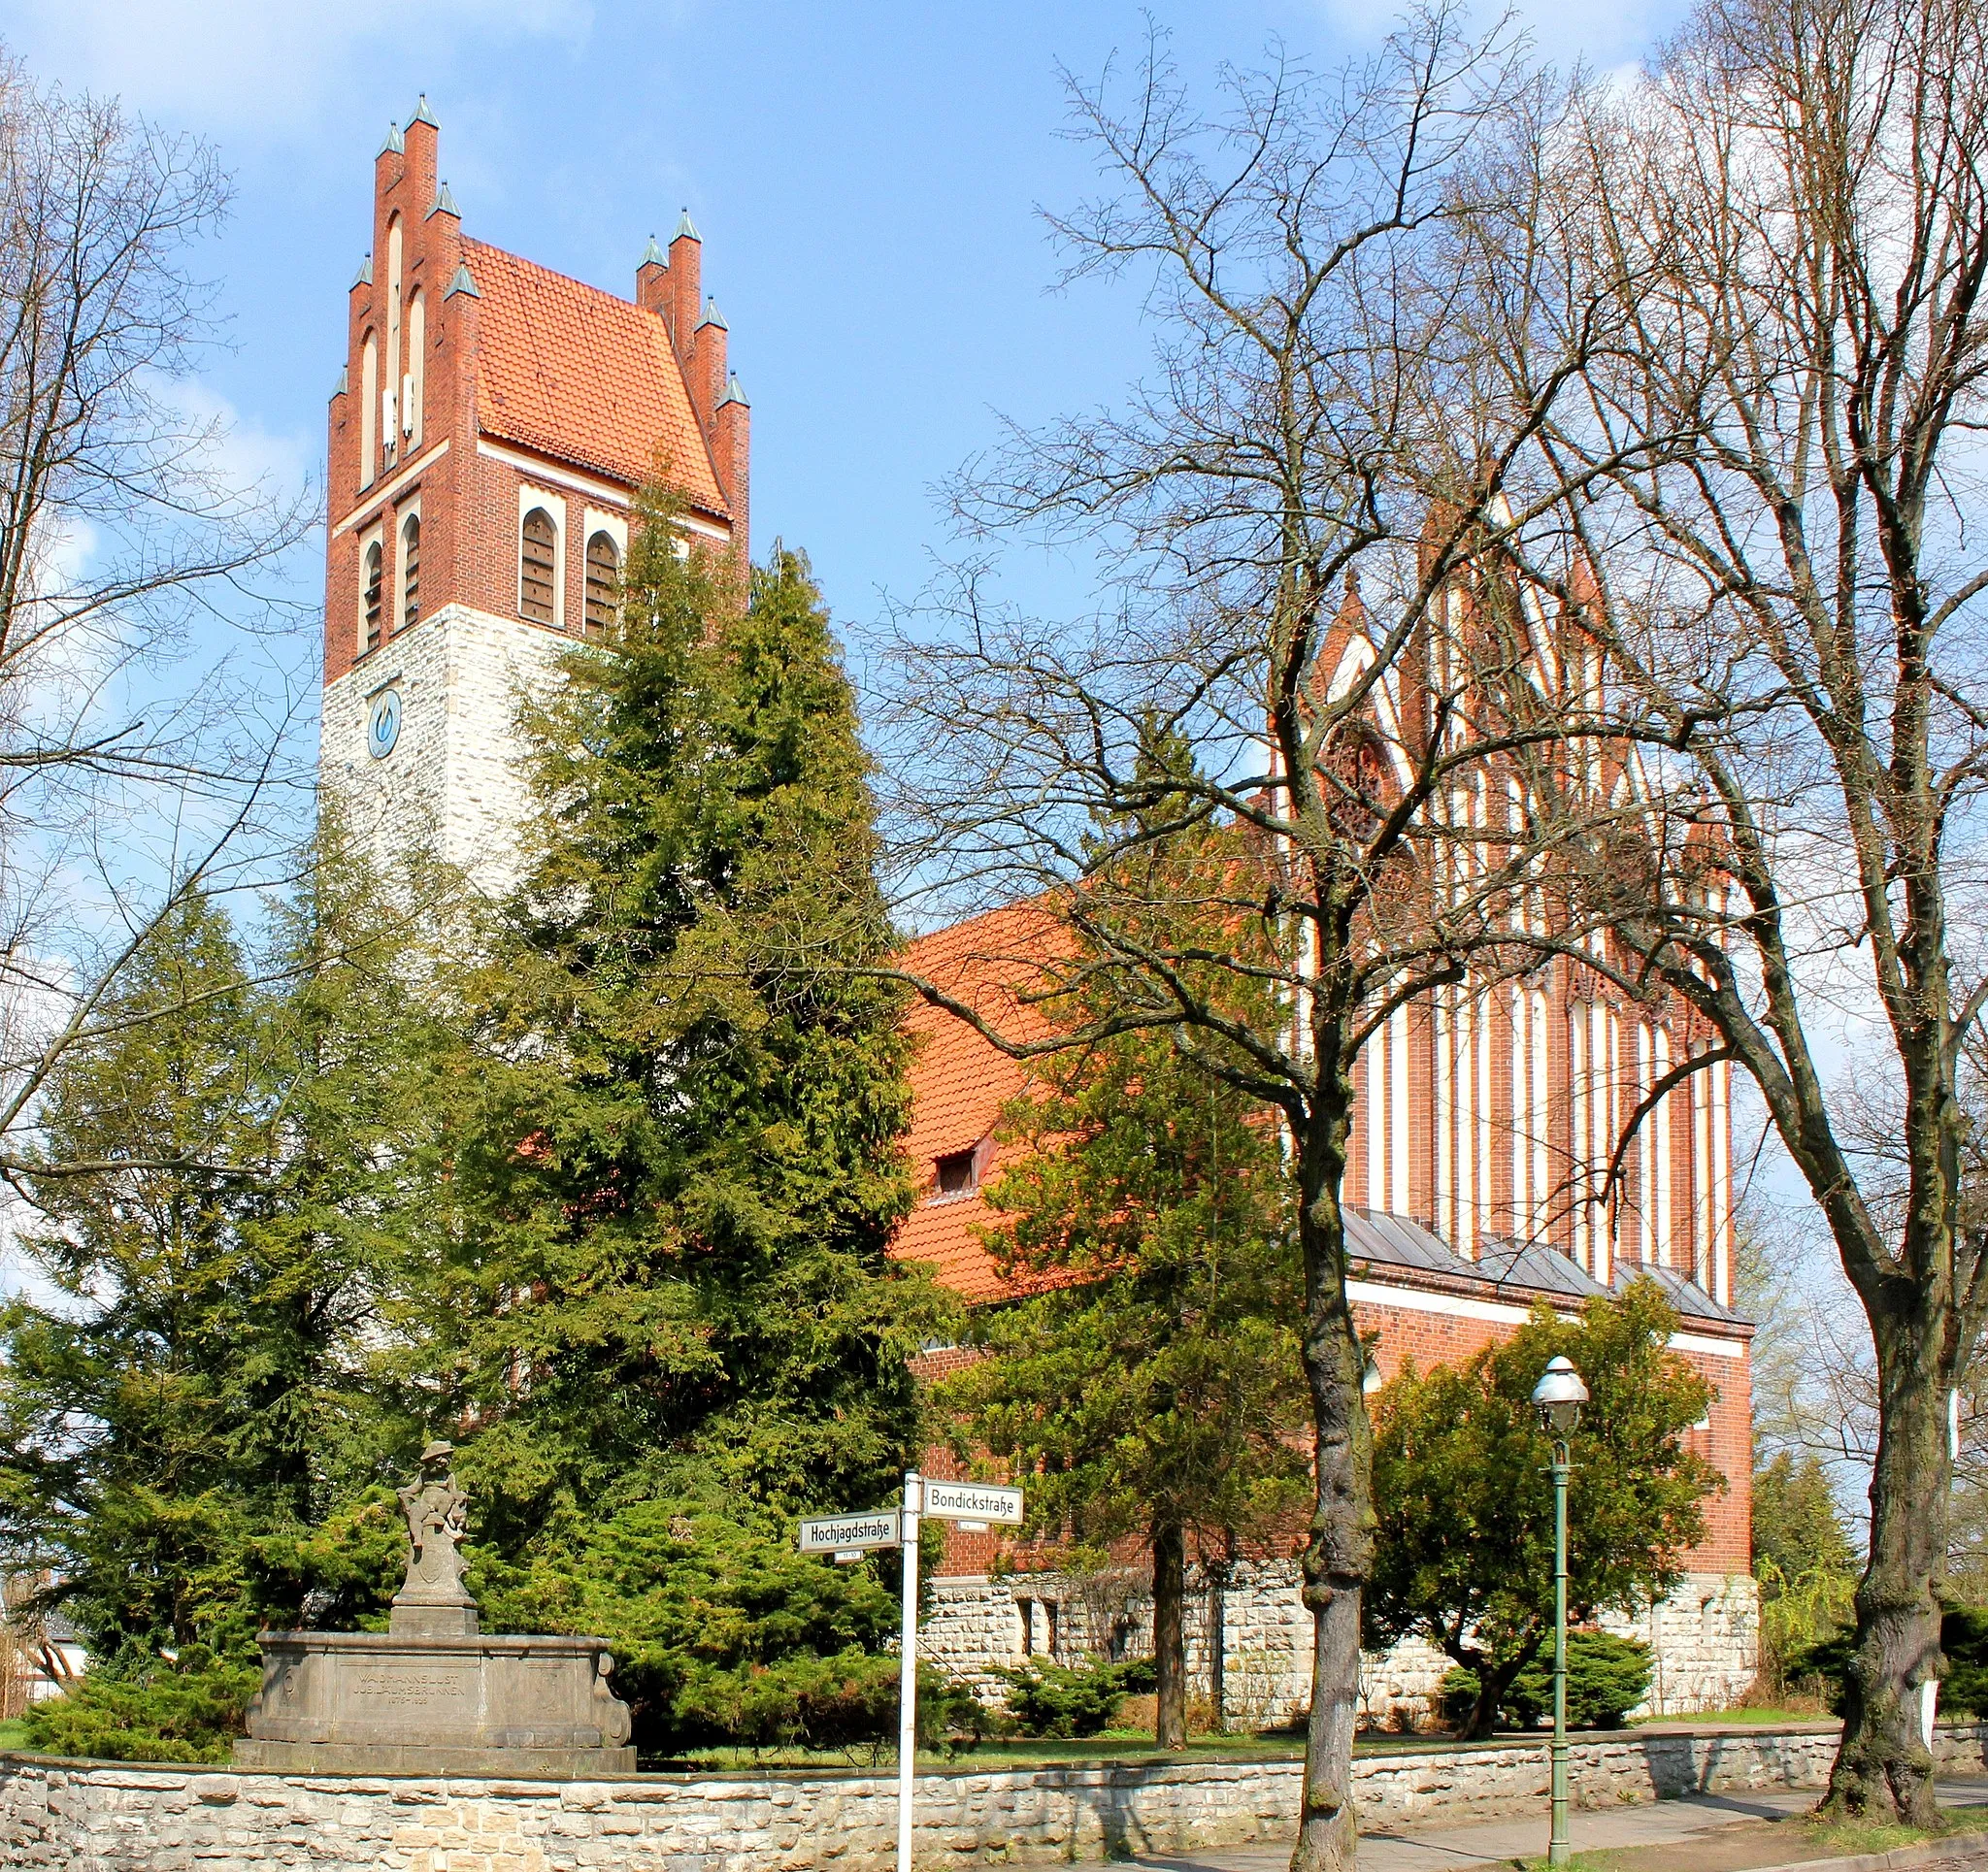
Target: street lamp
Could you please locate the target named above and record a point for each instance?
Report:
(1558, 1397)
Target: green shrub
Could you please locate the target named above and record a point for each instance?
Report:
(1607, 1677)
(148, 1710)
(1047, 1699)
(1963, 1637)
(723, 1635)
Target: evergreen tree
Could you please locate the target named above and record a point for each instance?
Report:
(1465, 1552)
(207, 1373)
(1798, 1530)
(683, 1170)
(1154, 1388)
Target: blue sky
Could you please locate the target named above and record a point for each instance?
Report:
(866, 178)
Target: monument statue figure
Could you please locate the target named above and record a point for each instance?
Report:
(434, 1505)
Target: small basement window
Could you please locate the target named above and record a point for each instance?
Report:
(959, 1174)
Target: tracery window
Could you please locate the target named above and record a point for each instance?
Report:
(537, 555)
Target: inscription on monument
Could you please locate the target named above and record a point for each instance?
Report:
(439, 1691)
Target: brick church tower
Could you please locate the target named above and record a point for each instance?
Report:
(488, 437)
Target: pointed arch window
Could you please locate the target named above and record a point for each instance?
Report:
(602, 581)
(537, 555)
(372, 576)
(410, 570)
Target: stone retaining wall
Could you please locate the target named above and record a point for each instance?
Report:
(105, 1816)
(1703, 1641)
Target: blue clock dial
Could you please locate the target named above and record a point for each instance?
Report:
(382, 725)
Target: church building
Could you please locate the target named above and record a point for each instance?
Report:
(489, 434)
(490, 430)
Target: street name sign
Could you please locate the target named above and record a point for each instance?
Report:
(846, 1533)
(983, 1502)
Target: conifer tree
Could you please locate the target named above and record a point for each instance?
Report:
(684, 1172)
(207, 1372)
(1152, 1385)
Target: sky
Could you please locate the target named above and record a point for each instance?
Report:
(867, 179)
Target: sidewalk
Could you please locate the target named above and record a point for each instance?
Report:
(1500, 1842)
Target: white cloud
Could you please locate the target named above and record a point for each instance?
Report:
(266, 66)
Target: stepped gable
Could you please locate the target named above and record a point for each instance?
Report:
(960, 1081)
(568, 371)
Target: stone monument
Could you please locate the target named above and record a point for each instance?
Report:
(432, 1695)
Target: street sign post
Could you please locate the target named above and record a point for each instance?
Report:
(848, 1536)
(852, 1534)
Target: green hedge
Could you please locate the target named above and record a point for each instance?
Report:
(1607, 1677)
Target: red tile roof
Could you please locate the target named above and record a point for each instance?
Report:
(960, 1081)
(572, 371)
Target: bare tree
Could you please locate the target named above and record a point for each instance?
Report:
(1265, 779)
(1765, 263)
(123, 535)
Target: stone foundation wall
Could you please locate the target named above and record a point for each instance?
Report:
(1702, 1638)
(117, 1818)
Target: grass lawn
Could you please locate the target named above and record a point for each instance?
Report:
(1765, 1842)
(1135, 1745)
(1758, 1718)
(14, 1735)
(994, 1756)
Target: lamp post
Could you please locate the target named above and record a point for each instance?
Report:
(1558, 1397)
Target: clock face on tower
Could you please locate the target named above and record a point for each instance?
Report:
(382, 725)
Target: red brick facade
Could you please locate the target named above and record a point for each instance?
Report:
(471, 375)
(1459, 1293)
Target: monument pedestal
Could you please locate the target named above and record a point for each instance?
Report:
(432, 1695)
(359, 1702)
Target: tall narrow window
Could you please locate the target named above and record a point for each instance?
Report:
(389, 385)
(369, 411)
(538, 554)
(602, 581)
(369, 619)
(411, 387)
(410, 570)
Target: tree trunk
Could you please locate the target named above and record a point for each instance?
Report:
(1883, 1766)
(1218, 1640)
(1339, 1553)
(1170, 1636)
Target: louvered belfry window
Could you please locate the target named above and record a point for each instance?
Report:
(410, 570)
(535, 560)
(602, 581)
(370, 603)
